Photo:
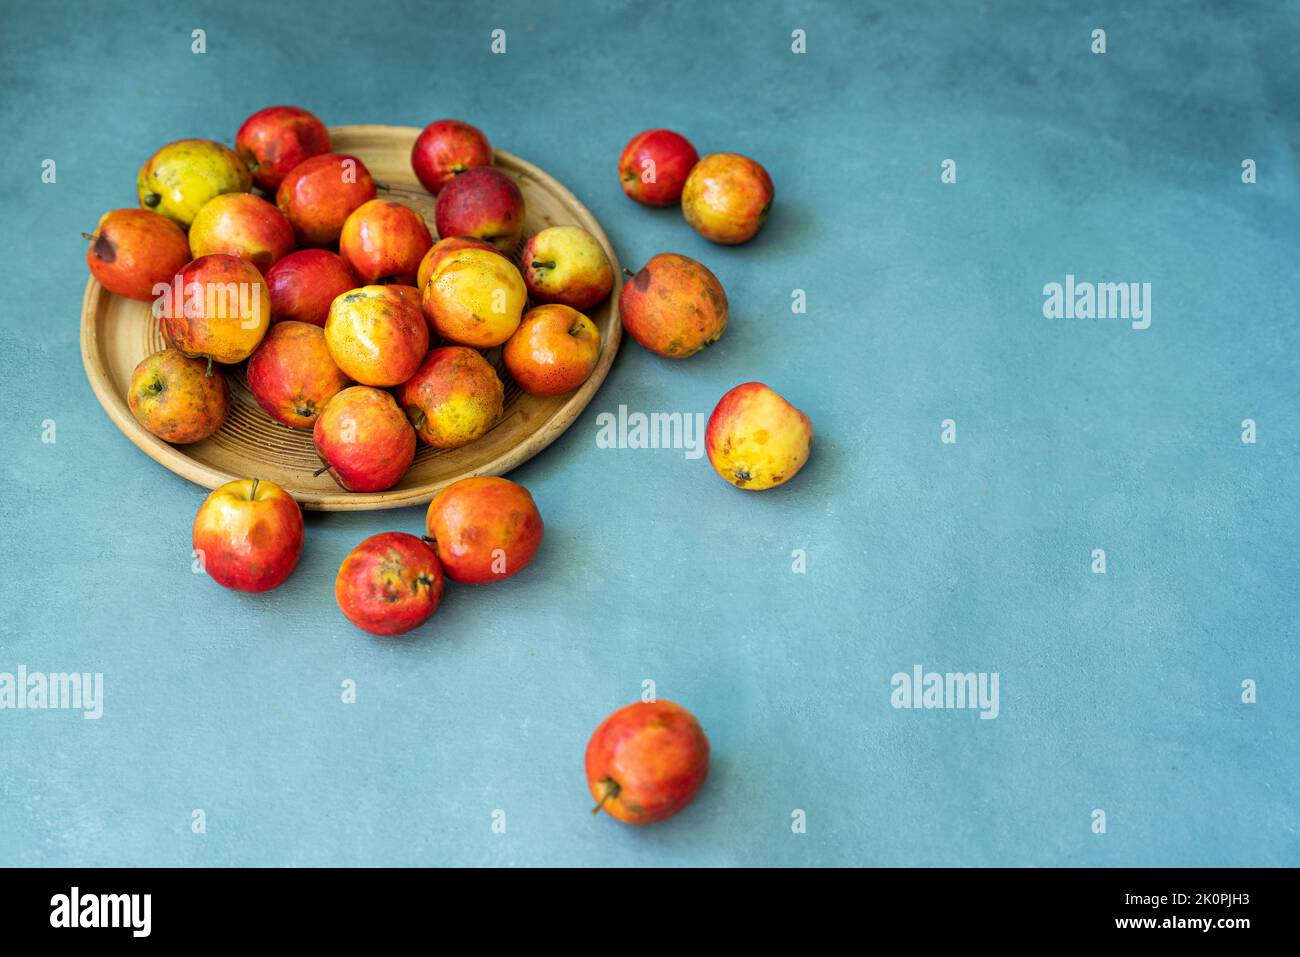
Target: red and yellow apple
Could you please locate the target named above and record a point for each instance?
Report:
(243, 225)
(554, 350)
(474, 297)
(674, 306)
(756, 439)
(320, 193)
(364, 439)
(568, 265)
(484, 529)
(178, 398)
(303, 284)
(445, 149)
(376, 335)
(133, 250)
(274, 140)
(222, 312)
(727, 197)
(453, 398)
(179, 179)
(389, 584)
(646, 761)
(292, 375)
(384, 242)
(482, 203)
(654, 165)
(248, 535)
(439, 252)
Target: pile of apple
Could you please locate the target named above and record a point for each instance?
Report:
(371, 336)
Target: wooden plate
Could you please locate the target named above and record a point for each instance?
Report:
(117, 333)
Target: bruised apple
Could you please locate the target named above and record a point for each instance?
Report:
(303, 284)
(482, 203)
(384, 242)
(654, 165)
(674, 306)
(475, 298)
(292, 375)
(389, 584)
(646, 761)
(554, 350)
(453, 398)
(364, 439)
(484, 529)
(727, 197)
(243, 225)
(274, 140)
(179, 179)
(756, 439)
(218, 308)
(178, 398)
(319, 194)
(376, 335)
(445, 149)
(134, 250)
(568, 265)
(248, 535)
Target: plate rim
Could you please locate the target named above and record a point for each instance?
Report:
(175, 460)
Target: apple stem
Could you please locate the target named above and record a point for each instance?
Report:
(320, 471)
(252, 495)
(384, 186)
(610, 791)
(208, 372)
(629, 273)
(87, 236)
(543, 263)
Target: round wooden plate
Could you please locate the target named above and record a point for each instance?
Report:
(117, 333)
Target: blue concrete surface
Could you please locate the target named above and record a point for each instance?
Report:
(1120, 692)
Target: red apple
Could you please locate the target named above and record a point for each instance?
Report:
(727, 197)
(568, 265)
(453, 398)
(248, 535)
(384, 242)
(218, 309)
(303, 284)
(674, 306)
(243, 225)
(364, 440)
(389, 584)
(654, 165)
(377, 335)
(439, 252)
(484, 529)
(274, 140)
(445, 149)
(291, 374)
(756, 439)
(646, 761)
(134, 250)
(177, 398)
(483, 203)
(320, 193)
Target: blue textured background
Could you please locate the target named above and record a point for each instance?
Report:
(1119, 692)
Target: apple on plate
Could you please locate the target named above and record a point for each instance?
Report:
(364, 439)
(248, 535)
(133, 251)
(303, 284)
(482, 203)
(274, 140)
(377, 335)
(384, 242)
(389, 584)
(177, 398)
(179, 179)
(646, 761)
(320, 193)
(445, 149)
(568, 265)
(554, 351)
(292, 375)
(441, 250)
(218, 308)
(453, 398)
(243, 225)
(484, 529)
(755, 439)
(654, 165)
